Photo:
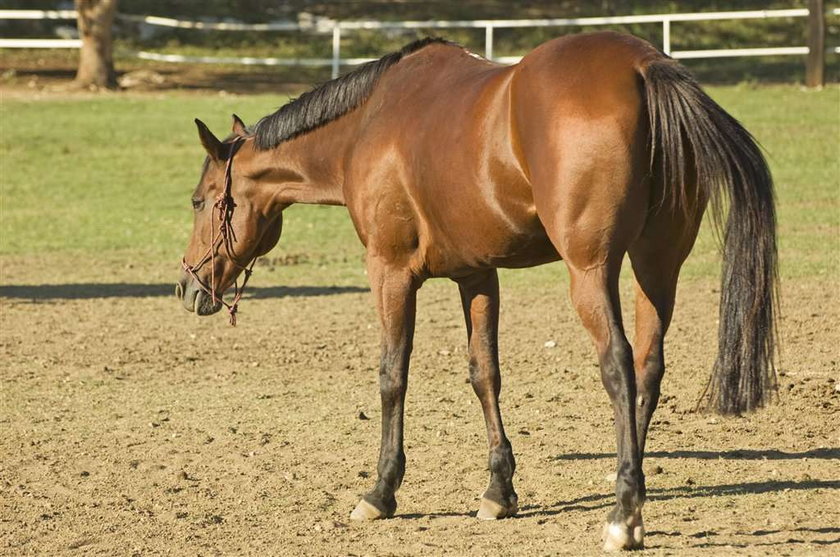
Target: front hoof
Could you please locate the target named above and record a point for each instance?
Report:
(620, 537)
(491, 510)
(367, 511)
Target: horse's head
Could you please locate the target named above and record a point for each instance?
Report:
(235, 221)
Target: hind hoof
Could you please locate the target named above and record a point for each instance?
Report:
(491, 510)
(619, 537)
(366, 511)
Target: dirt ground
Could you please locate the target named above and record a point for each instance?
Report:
(132, 427)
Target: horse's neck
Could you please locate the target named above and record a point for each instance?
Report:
(316, 160)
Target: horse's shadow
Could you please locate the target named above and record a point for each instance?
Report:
(598, 501)
(736, 454)
(439, 514)
(705, 538)
(708, 541)
(89, 291)
(606, 500)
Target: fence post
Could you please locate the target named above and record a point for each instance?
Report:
(815, 63)
(488, 42)
(666, 36)
(336, 49)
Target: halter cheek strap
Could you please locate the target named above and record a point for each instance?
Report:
(226, 237)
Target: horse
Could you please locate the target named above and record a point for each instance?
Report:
(592, 147)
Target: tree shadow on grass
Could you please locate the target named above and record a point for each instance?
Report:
(87, 291)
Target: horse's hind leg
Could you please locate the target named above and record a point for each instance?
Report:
(595, 297)
(654, 305)
(657, 256)
(395, 291)
(480, 300)
(593, 208)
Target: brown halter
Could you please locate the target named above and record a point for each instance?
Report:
(226, 237)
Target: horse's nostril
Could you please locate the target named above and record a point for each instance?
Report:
(179, 291)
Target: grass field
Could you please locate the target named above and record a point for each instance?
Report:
(111, 178)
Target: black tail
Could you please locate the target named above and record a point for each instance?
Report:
(694, 139)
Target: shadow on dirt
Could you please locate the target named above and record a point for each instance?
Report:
(696, 491)
(599, 500)
(708, 541)
(86, 291)
(415, 516)
(738, 454)
(606, 500)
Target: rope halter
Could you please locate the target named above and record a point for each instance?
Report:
(223, 236)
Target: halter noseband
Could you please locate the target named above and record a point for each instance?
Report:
(226, 237)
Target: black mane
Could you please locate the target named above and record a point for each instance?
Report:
(329, 101)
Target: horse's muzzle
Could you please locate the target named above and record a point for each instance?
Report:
(194, 298)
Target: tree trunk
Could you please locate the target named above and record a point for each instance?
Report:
(815, 64)
(96, 62)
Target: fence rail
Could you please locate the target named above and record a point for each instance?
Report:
(336, 28)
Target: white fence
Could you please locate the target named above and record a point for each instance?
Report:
(339, 28)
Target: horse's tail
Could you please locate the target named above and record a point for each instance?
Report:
(695, 142)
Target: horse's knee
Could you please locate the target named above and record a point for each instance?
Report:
(484, 375)
(618, 357)
(391, 382)
(392, 376)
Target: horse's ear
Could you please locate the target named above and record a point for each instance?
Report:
(211, 143)
(239, 127)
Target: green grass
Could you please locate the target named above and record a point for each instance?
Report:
(111, 177)
(107, 174)
(800, 131)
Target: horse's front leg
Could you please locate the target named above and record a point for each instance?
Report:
(395, 291)
(480, 300)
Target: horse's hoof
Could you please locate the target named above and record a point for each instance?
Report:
(620, 537)
(491, 510)
(366, 511)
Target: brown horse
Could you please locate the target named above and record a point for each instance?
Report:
(592, 147)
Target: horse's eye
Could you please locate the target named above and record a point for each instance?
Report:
(198, 204)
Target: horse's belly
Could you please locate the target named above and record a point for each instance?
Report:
(458, 250)
(531, 252)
